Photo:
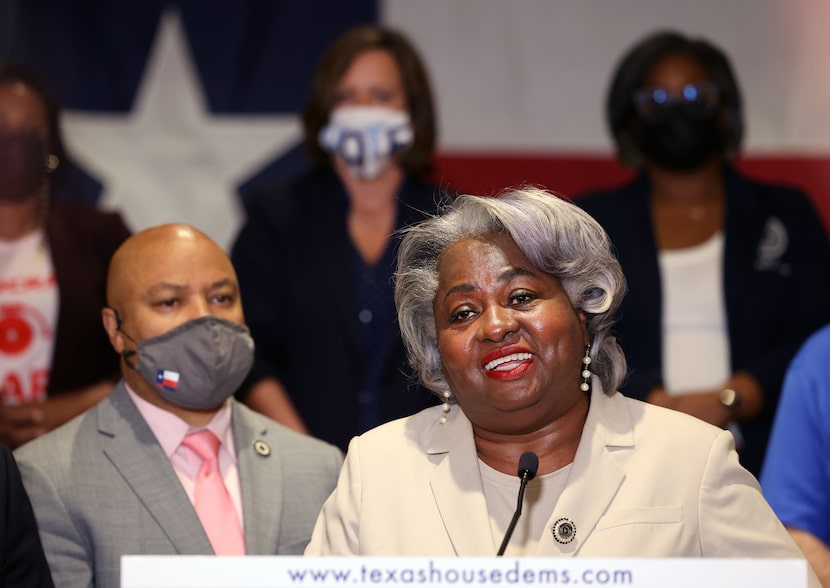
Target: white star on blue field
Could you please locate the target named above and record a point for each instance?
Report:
(170, 159)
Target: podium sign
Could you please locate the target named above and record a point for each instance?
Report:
(450, 572)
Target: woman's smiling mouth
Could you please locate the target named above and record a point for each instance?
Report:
(509, 366)
(507, 362)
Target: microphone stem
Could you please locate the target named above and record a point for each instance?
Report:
(514, 520)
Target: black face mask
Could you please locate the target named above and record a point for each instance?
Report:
(681, 137)
(22, 164)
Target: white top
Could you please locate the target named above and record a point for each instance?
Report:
(28, 318)
(501, 492)
(695, 331)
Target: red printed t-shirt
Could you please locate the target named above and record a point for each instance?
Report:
(28, 315)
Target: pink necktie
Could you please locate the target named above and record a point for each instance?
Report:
(212, 501)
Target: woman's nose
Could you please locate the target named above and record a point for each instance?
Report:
(496, 323)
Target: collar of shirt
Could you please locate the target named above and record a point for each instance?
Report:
(170, 430)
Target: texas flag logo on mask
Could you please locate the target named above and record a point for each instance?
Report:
(167, 380)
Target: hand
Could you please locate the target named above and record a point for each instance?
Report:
(21, 423)
(269, 397)
(705, 405)
(749, 390)
(816, 551)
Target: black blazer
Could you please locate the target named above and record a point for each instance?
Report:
(22, 561)
(293, 258)
(773, 302)
(81, 241)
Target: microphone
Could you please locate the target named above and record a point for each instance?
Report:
(528, 464)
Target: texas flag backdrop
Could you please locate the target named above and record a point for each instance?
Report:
(176, 109)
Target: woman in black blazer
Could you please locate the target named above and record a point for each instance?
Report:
(316, 256)
(727, 275)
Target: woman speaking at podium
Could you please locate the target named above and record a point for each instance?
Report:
(505, 305)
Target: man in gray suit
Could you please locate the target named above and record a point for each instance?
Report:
(120, 478)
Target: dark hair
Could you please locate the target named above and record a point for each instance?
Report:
(417, 160)
(11, 73)
(635, 66)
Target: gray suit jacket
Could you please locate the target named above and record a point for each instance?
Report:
(102, 487)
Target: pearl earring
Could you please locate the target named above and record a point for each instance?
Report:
(445, 408)
(585, 386)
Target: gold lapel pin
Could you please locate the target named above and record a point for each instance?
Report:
(262, 448)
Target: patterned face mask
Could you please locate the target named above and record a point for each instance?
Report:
(366, 138)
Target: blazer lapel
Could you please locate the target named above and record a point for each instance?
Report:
(456, 486)
(744, 230)
(330, 239)
(637, 239)
(261, 486)
(595, 475)
(135, 453)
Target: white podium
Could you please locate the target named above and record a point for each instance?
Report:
(447, 572)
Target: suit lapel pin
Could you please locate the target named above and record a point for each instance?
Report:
(564, 530)
(262, 448)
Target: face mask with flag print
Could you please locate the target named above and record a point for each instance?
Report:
(367, 137)
(199, 364)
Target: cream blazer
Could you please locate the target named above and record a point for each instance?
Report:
(645, 482)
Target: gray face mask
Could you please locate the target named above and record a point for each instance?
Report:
(199, 364)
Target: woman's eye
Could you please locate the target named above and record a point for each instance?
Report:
(461, 315)
(521, 298)
(341, 97)
(382, 96)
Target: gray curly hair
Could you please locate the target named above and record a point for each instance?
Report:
(556, 236)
